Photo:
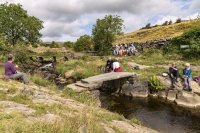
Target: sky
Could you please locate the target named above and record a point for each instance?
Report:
(67, 20)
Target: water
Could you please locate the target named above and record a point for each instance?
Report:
(154, 114)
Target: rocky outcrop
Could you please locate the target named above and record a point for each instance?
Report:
(125, 127)
(135, 89)
(158, 43)
(43, 99)
(178, 95)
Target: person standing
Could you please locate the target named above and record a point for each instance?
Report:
(173, 74)
(187, 76)
(11, 70)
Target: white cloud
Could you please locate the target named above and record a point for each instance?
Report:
(68, 19)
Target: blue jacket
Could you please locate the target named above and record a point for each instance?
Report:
(187, 72)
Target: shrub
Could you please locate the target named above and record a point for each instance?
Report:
(155, 84)
(68, 44)
(170, 22)
(178, 20)
(21, 57)
(190, 39)
(84, 43)
(148, 26)
(165, 23)
(54, 45)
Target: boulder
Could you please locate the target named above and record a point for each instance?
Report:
(135, 90)
(162, 94)
(195, 87)
(69, 73)
(188, 99)
(171, 96)
(132, 65)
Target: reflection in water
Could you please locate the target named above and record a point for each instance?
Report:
(154, 114)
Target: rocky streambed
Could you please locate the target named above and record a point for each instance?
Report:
(165, 111)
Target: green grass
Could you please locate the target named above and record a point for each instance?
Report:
(83, 97)
(83, 68)
(136, 121)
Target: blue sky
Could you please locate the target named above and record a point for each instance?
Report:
(67, 20)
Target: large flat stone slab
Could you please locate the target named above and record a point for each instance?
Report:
(107, 77)
(188, 99)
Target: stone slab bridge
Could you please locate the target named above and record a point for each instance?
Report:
(112, 80)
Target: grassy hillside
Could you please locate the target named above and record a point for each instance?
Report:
(153, 33)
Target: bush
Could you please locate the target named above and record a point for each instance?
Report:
(155, 84)
(68, 44)
(84, 43)
(165, 23)
(54, 45)
(21, 57)
(190, 39)
(170, 22)
(178, 20)
(148, 26)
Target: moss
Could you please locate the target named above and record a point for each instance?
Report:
(136, 121)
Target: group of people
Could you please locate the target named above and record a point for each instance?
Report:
(11, 72)
(113, 65)
(187, 76)
(123, 50)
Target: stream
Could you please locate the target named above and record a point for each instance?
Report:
(163, 117)
(154, 114)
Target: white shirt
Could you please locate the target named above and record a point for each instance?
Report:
(116, 65)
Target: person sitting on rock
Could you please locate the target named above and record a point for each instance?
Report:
(173, 74)
(116, 66)
(187, 76)
(11, 70)
(109, 64)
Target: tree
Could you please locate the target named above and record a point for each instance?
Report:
(165, 23)
(84, 43)
(104, 33)
(17, 26)
(32, 27)
(170, 22)
(178, 20)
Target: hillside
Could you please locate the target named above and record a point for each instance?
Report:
(154, 33)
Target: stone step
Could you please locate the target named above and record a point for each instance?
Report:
(86, 85)
(188, 99)
(77, 88)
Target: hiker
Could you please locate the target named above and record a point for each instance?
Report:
(187, 76)
(116, 66)
(11, 70)
(109, 64)
(173, 74)
(116, 50)
(131, 49)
